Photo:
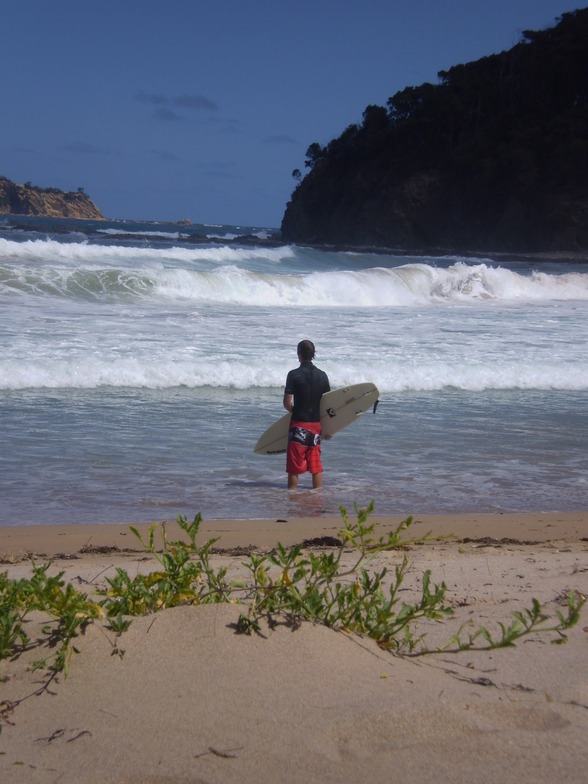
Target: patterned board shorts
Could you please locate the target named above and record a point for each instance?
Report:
(304, 450)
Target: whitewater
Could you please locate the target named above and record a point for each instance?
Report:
(140, 362)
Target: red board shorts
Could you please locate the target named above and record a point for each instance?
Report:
(300, 457)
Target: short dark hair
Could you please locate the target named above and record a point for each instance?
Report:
(306, 350)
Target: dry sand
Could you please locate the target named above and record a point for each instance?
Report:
(192, 701)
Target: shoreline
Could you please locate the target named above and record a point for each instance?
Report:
(532, 527)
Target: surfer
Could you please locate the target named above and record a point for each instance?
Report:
(305, 385)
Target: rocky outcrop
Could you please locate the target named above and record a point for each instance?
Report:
(51, 202)
(493, 158)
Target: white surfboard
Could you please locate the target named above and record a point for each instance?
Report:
(339, 408)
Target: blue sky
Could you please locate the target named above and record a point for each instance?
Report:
(201, 109)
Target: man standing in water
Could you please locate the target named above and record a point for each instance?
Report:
(305, 385)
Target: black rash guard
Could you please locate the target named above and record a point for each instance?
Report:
(308, 384)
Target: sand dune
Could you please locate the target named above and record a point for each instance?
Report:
(193, 701)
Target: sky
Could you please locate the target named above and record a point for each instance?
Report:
(202, 109)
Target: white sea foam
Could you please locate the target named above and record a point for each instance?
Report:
(50, 252)
(260, 276)
(464, 282)
(148, 372)
(82, 315)
(168, 235)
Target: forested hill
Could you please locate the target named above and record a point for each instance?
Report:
(29, 199)
(493, 157)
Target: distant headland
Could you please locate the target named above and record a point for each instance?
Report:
(29, 199)
(492, 158)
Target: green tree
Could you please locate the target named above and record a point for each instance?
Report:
(313, 155)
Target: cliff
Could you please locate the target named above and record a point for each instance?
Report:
(31, 200)
(494, 157)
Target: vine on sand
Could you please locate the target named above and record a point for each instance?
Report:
(288, 585)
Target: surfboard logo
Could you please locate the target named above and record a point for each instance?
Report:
(331, 412)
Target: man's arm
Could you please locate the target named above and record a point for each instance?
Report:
(327, 389)
(288, 402)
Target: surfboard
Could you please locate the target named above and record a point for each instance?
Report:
(339, 408)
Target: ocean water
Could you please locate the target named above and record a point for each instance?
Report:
(139, 363)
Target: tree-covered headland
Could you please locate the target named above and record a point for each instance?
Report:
(493, 157)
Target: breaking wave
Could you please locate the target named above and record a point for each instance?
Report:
(252, 277)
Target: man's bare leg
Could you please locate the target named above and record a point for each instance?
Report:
(317, 481)
(292, 481)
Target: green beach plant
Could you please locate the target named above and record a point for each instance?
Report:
(318, 587)
(334, 587)
(186, 576)
(11, 616)
(70, 612)
(524, 623)
(294, 584)
(287, 584)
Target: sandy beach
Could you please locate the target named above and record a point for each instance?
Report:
(193, 701)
